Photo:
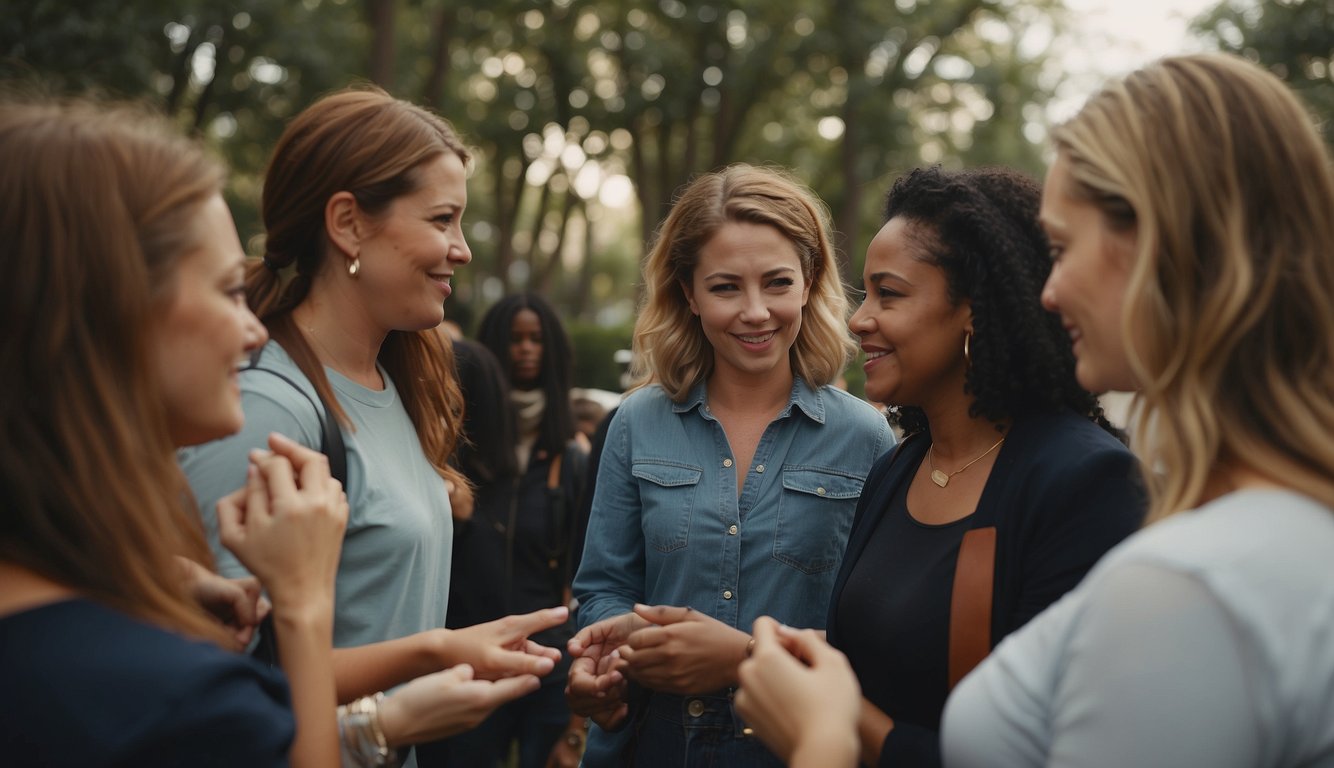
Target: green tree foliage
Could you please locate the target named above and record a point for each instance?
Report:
(1293, 38)
(588, 115)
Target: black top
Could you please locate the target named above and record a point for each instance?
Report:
(514, 555)
(895, 631)
(84, 685)
(1061, 493)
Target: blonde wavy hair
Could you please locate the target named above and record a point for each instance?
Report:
(1217, 168)
(669, 343)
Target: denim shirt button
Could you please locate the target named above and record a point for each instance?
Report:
(760, 469)
(727, 462)
(732, 529)
(727, 594)
(695, 707)
(820, 491)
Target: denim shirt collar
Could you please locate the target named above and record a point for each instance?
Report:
(810, 401)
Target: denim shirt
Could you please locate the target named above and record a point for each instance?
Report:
(667, 526)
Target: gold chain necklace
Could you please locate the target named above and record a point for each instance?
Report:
(940, 478)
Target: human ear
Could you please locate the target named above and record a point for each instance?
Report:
(689, 291)
(343, 225)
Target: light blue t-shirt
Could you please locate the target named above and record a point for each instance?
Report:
(1204, 640)
(393, 578)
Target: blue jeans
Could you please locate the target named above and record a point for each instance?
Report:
(536, 721)
(696, 731)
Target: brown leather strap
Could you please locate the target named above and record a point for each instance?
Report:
(553, 472)
(970, 603)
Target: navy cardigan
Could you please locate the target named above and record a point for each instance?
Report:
(1061, 493)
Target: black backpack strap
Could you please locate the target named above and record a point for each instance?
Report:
(332, 446)
(331, 437)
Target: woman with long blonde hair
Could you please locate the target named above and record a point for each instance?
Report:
(1191, 214)
(729, 476)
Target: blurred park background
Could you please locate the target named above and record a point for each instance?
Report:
(587, 115)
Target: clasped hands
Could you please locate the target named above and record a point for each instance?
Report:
(665, 648)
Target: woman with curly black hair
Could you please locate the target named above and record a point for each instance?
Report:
(1010, 483)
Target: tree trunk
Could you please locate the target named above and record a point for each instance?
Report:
(380, 16)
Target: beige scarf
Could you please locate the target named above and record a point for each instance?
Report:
(528, 408)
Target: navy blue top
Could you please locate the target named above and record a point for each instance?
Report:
(1061, 493)
(898, 629)
(84, 685)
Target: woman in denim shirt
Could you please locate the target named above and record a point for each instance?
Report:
(729, 477)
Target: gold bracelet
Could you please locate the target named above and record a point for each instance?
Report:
(362, 734)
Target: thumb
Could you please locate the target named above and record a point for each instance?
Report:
(664, 614)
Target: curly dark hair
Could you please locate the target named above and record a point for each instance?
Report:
(980, 227)
(557, 372)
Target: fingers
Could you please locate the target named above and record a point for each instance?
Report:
(245, 600)
(298, 455)
(519, 663)
(525, 624)
(609, 633)
(277, 474)
(231, 515)
(537, 649)
(262, 609)
(511, 688)
(664, 614)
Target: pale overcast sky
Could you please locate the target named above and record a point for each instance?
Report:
(1109, 39)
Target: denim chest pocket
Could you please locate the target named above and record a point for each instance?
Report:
(667, 498)
(814, 518)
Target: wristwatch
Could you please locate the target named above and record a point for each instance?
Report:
(575, 740)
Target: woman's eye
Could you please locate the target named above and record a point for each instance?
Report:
(722, 287)
(887, 293)
(782, 282)
(1056, 251)
(444, 219)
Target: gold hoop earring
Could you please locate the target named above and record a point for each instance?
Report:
(353, 267)
(967, 358)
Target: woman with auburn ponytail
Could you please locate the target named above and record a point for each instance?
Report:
(362, 207)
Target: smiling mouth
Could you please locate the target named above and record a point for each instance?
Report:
(757, 339)
(876, 354)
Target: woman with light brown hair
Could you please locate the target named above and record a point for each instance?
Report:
(729, 477)
(362, 207)
(123, 329)
(1191, 215)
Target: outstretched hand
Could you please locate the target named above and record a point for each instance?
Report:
(683, 651)
(445, 703)
(501, 648)
(800, 696)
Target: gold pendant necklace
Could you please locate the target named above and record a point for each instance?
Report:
(940, 478)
